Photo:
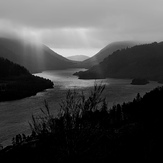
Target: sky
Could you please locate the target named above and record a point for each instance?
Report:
(76, 27)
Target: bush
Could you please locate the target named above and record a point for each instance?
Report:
(73, 109)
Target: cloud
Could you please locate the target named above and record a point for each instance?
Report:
(14, 30)
(69, 38)
(76, 13)
(53, 37)
(54, 13)
(82, 23)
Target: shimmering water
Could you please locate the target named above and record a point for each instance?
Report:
(15, 115)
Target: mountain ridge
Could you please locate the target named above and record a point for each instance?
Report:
(35, 58)
(106, 51)
(141, 61)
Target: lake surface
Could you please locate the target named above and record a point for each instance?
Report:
(15, 115)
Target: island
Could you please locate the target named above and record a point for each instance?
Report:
(139, 81)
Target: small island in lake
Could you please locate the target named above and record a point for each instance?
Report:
(139, 81)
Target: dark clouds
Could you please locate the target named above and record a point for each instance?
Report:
(55, 13)
(82, 23)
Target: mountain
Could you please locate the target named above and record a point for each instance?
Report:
(10, 69)
(106, 51)
(35, 58)
(141, 61)
(78, 57)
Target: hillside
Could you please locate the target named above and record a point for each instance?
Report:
(106, 51)
(10, 69)
(16, 82)
(78, 57)
(143, 61)
(35, 58)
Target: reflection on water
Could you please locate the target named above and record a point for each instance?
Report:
(15, 115)
(65, 80)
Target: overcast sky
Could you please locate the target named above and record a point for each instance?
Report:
(82, 26)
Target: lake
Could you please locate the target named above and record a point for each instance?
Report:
(15, 115)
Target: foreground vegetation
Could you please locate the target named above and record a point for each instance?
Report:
(86, 130)
(16, 82)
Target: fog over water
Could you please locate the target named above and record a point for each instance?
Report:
(15, 115)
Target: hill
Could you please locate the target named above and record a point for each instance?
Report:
(35, 58)
(142, 61)
(106, 51)
(16, 82)
(78, 57)
(10, 69)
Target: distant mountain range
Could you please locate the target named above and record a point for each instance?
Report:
(35, 58)
(142, 61)
(106, 51)
(78, 57)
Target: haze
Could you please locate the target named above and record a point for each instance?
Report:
(84, 27)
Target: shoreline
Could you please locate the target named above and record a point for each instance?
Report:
(22, 87)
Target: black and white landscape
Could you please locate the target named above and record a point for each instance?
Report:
(81, 81)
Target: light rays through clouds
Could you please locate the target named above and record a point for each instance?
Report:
(82, 25)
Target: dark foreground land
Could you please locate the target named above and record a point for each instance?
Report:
(86, 131)
(23, 86)
(17, 82)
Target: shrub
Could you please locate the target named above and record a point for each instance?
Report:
(72, 109)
